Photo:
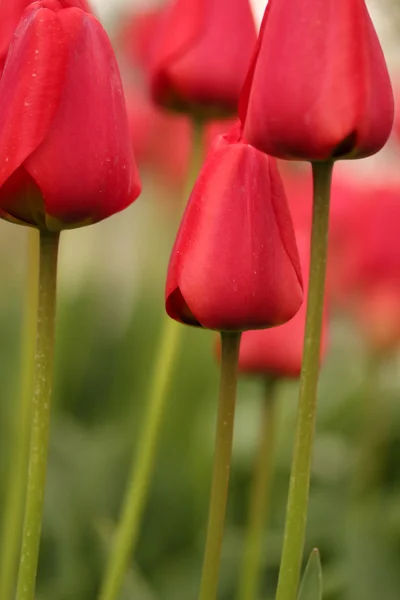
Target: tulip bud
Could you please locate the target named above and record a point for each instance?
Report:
(65, 151)
(235, 265)
(318, 88)
(201, 55)
(279, 351)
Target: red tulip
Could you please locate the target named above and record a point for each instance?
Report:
(279, 351)
(202, 54)
(318, 87)
(366, 263)
(235, 265)
(65, 152)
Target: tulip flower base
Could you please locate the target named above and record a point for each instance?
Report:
(259, 495)
(40, 416)
(296, 515)
(222, 460)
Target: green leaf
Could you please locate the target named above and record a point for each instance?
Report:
(311, 583)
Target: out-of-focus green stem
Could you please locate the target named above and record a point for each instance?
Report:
(128, 528)
(296, 515)
(16, 480)
(373, 433)
(222, 462)
(259, 496)
(40, 417)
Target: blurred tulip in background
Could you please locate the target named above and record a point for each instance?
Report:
(201, 54)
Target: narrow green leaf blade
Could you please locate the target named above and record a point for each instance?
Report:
(311, 583)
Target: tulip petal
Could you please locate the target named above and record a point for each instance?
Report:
(85, 167)
(235, 263)
(329, 94)
(10, 15)
(30, 86)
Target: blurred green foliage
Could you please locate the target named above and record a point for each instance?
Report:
(100, 393)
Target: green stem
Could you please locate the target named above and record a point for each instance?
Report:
(373, 431)
(40, 417)
(296, 515)
(15, 488)
(127, 531)
(259, 496)
(128, 528)
(222, 461)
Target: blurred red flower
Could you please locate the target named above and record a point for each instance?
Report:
(366, 262)
(234, 265)
(65, 151)
(318, 87)
(201, 54)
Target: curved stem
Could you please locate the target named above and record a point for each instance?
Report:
(128, 528)
(296, 515)
(222, 461)
(40, 417)
(15, 488)
(259, 496)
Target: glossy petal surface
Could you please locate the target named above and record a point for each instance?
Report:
(234, 265)
(318, 87)
(10, 14)
(65, 150)
(89, 134)
(30, 87)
